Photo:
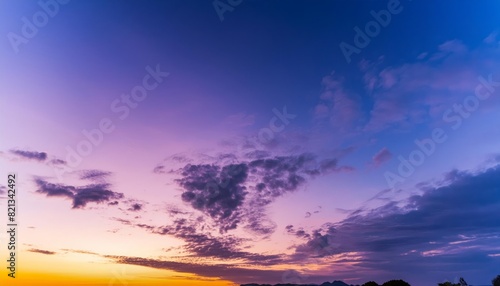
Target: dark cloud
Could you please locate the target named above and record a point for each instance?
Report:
(81, 196)
(3, 189)
(301, 233)
(217, 191)
(236, 273)
(280, 175)
(332, 165)
(450, 226)
(54, 190)
(257, 222)
(200, 241)
(135, 207)
(32, 155)
(42, 251)
(96, 193)
(234, 193)
(202, 244)
(221, 271)
(94, 175)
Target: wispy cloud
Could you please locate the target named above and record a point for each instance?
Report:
(41, 251)
(135, 207)
(201, 243)
(240, 120)
(57, 162)
(80, 196)
(452, 70)
(94, 175)
(399, 97)
(31, 155)
(339, 105)
(79, 251)
(381, 157)
(224, 272)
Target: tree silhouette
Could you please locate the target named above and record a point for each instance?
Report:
(396, 283)
(496, 281)
(371, 283)
(447, 283)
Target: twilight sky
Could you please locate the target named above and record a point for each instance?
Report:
(235, 141)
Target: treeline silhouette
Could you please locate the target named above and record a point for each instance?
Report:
(339, 283)
(494, 282)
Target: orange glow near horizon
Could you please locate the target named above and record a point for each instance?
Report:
(43, 279)
(54, 270)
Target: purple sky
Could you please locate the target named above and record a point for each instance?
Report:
(181, 142)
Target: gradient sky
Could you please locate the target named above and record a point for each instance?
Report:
(206, 181)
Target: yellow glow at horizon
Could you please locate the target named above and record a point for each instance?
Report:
(86, 269)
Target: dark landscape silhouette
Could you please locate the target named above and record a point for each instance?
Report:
(494, 282)
(337, 283)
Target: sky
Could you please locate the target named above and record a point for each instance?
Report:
(234, 141)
